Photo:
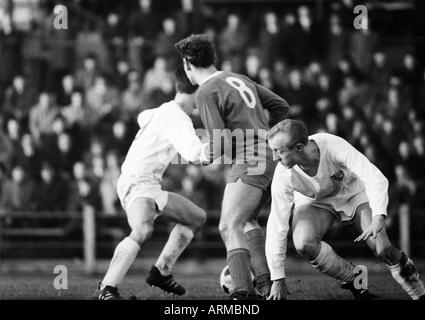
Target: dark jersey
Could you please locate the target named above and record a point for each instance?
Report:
(235, 102)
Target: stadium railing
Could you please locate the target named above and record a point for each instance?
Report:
(91, 235)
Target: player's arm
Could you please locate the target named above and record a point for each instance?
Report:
(209, 111)
(277, 230)
(181, 134)
(376, 184)
(278, 108)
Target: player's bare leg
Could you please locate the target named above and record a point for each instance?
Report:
(400, 266)
(190, 218)
(310, 224)
(140, 216)
(239, 203)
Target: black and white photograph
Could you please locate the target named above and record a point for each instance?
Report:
(229, 153)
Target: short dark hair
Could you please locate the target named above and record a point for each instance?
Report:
(182, 83)
(296, 130)
(198, 49)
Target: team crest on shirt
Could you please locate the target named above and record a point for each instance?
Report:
(338, 176)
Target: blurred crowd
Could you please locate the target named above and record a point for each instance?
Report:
(69, 99)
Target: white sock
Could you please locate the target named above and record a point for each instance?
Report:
(179, 239)
(328, 262)
(413, 287)
(124, 256)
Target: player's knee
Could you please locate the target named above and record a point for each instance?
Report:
(142, 232)
(199, 220)
(306, 246)
(227, 228)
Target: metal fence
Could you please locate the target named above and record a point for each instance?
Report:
(90, 235)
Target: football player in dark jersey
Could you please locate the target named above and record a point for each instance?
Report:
(238, 111)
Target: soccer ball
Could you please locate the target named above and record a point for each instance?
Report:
(226, 283)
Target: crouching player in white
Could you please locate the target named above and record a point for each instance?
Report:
(164, 132)
(327, 181)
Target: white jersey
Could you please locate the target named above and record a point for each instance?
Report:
(343, 173)
(164, 132)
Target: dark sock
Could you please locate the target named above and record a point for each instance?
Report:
(238, 261)
(256, 242)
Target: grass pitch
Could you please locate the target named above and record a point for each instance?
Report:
(33, 280)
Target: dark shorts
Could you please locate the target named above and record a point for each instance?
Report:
(245, 172)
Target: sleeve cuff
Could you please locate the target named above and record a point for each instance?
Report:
(277, 274)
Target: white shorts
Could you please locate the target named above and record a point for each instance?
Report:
(343, 209)
(130, 189)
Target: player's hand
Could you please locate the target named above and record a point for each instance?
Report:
(378, 222)
(279, 290)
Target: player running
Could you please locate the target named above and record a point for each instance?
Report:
(329, 182)
(164, 132)
(234, 102)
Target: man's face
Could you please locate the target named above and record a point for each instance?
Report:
(284, 150)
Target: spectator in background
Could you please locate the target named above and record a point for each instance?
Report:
(19, 193)
(343, 69)
(35, 53)
(108, 184)
(86, 75)
(164, 42)
(159, 83)
(325, 101)
(252, 66)
(409, 73)
(52, 192)
(89, 41)
(157, 75)
(288, 34)
(300, 96)
(305, 39)
(354, 93)
(115, 37)
(60, 49)
(406, 157)
(280, 73)
(121, 75)
(28, 155)
(393, 109)
(142, 30)
(134, 98)
(4, 182)
(42, 116)
(418, 147)
(337, 41)
(363, 44)
(83, 190)
(64, 154)
(63, 96)
(102, 102)
(379, 75)
(10, 43)
(403, 189)
(119, 142)
(266, 79)
(18, 100)
(14, 133)
(270, 39)
(233, 40)
(6, 147)
(74, 113)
